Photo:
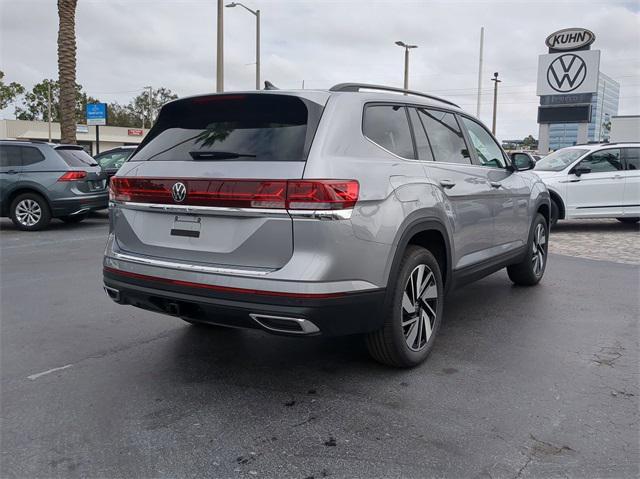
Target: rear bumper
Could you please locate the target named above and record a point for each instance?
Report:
(330, 315)
(80, 204)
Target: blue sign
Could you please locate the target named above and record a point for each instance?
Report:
(96, 113)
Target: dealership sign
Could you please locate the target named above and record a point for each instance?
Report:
(570, 39)
(563, 73)
(135, 132)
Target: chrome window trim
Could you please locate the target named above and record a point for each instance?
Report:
(196, 268)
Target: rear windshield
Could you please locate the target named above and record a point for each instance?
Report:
(76, 157)
(247, 127)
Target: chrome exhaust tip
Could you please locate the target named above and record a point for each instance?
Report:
(284, 324)
(112, 293)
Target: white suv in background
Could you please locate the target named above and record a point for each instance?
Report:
(593, 181)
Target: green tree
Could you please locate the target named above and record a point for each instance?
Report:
(529, 142)
(139, 106)
(35, 102)
(9, 92)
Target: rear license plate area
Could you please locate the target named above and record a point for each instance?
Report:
(186, 226)
(97, 185)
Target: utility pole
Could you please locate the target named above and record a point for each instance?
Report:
(495, 100)
(49, 108)
(220, 49)
(480, 72)
(406, 61)
(150, 105)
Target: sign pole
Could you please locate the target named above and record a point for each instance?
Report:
(97, 139)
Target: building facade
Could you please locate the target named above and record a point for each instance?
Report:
(110, 136)
(604, 105)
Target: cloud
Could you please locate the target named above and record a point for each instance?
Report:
(125, 45)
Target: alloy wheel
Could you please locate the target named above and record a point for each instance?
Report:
(419, 306)
(539, 253)
(28, 212)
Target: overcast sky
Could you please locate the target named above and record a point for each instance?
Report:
(125, 45)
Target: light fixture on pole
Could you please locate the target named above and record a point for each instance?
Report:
(495, 100)
(220, 49)
(257, 15)
(406, 61)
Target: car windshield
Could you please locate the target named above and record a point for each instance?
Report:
(111, 160)
(559, 160)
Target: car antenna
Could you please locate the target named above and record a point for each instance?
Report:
(270, 86)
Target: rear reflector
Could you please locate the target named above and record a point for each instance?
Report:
(213, 287)
(73, 176)
(272, 194)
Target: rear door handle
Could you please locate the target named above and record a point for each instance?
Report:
(447, 183)
(12, 172)
(495, 184)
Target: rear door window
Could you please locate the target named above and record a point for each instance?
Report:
(445, 136)
(252, 127)
(15, 156)
(75, 157)
(422, 142)
(388, 126)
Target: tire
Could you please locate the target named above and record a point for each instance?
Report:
(555, 214)
(30, 212)
(531, 270)
(408, 345)
(628, 221)
(75, 218)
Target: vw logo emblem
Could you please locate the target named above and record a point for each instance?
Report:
(179, 192)
(566, 73)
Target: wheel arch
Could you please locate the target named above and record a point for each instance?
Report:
(19, 190)
(555, 196)
(430, 233)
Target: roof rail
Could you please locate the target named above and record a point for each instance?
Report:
(359, 86)
(27, 140)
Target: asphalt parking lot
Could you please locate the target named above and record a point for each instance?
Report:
(523, 382)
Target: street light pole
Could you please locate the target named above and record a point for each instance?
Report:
(495, 100)
(257, 15)
(220, 49)
(406, 61)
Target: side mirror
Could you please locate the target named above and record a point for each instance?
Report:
(581, 170)
(522, 162)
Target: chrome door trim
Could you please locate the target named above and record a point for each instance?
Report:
(194, 268)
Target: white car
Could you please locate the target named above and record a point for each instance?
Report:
(593, 181)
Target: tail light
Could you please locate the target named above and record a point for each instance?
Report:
(73, 176)
(276, 194)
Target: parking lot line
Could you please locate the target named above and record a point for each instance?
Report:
(33, 377)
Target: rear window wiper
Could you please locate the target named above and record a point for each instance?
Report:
(218, 155)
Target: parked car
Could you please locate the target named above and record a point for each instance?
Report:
(112, 160)
(593, 181)
(345, 211)
(40, 181)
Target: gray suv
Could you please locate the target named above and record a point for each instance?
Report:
(40, 181)
(352, 210)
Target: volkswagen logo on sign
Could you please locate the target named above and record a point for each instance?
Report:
(179, 192)
(566, 73)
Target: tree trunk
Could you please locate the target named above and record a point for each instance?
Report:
(67, 69)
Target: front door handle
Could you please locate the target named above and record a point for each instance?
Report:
(495, 184)
(12, 172)
(447, 183)
(618, 177)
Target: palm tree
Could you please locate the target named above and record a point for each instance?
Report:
(67, 68)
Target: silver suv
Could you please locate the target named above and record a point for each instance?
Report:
(352, 210)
